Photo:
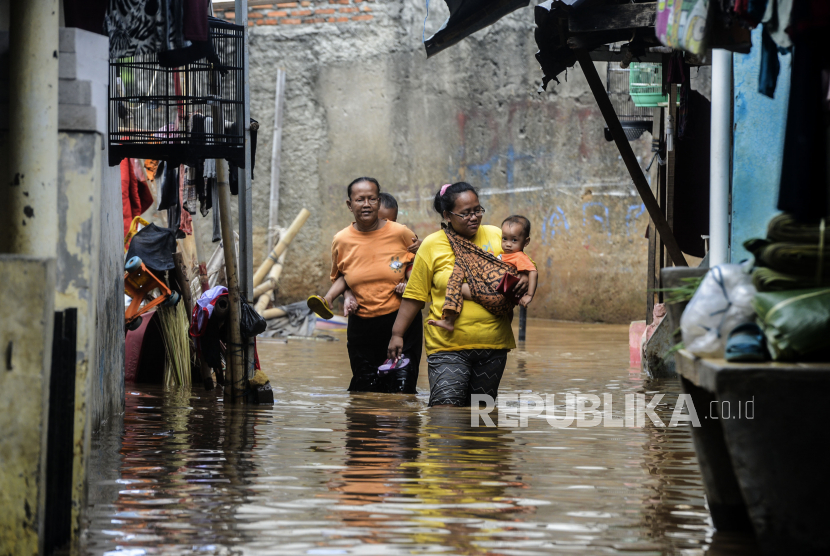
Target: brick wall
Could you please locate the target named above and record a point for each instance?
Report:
(305, 12)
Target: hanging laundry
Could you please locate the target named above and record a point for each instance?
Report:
(151, 168)
(137, 27)
(135, 193)
(168, 185)
(185, 221)
(196, 19)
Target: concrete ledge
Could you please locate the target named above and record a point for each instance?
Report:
(762, 428)
(72, 117)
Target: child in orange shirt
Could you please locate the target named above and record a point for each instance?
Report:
(515, 232)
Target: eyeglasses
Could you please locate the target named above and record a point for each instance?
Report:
(477, 212)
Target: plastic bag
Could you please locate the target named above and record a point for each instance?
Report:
(251, 323)
(722, 302)
(796, 323)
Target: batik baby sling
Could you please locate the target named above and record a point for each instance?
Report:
(483, 272)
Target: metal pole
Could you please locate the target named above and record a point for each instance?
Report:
(276, 149)
(246, 218)
(721, 156)
(522, 323)
(246, 261)
(28, 198)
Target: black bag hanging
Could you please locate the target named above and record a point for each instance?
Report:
(251, 323)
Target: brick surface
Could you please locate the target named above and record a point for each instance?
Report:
(301, 13)
(347, 10)
(287, 5)
(277, 13)
(255, 15)
(366, 17)
(290, 21)
(325, 11)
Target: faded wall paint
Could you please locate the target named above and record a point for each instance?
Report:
(759, 126)
(363, 99)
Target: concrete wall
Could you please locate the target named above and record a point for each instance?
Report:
(362, 99)
(759, 127)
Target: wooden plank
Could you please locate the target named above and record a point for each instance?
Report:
(604, 54)
(612, 17)
(627, 154)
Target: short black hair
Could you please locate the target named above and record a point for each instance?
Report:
(387, 201)
(358, 180)
(518, 219)
(446, 202)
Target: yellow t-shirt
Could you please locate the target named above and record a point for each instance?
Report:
(373, 264)
(475, 328)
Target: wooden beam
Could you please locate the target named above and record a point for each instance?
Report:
(640, 182)
(604, 54)
(612, 17)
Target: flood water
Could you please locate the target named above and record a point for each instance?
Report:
(327, 472)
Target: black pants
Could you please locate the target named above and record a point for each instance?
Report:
(368, 340)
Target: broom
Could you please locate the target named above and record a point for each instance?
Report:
(174, 324)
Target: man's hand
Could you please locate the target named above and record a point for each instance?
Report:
(401, 287)
(416, 243)
(350, 304)
(395, 348)
(525, 300)
(520, 289)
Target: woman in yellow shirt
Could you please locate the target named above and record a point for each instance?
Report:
(471, 359)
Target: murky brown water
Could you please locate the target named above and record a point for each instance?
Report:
(326, 472)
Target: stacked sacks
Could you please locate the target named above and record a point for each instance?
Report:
(794, 255)
(792, 276)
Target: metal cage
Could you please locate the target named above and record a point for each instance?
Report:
(635, 120)
(161, 113)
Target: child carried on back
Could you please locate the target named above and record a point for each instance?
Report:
(484, 274)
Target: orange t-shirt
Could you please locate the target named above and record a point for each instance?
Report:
(373, 264)
(519, 260)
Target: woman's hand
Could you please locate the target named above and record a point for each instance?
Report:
(520, 289)
(416, 243)
(395, 347)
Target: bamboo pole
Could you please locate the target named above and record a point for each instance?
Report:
(273, 313)
(262, 293)
(285, 241)
(236, 361)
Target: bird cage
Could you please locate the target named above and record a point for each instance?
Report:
(635, 120)
(645, 84)
(195, 111)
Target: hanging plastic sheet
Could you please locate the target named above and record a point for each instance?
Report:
(467, 17)
(154, 246)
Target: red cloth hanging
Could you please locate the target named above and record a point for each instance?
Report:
(135, 193)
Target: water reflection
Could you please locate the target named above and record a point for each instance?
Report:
(328, 472)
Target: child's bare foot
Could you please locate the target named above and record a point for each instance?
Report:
(443, 323)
